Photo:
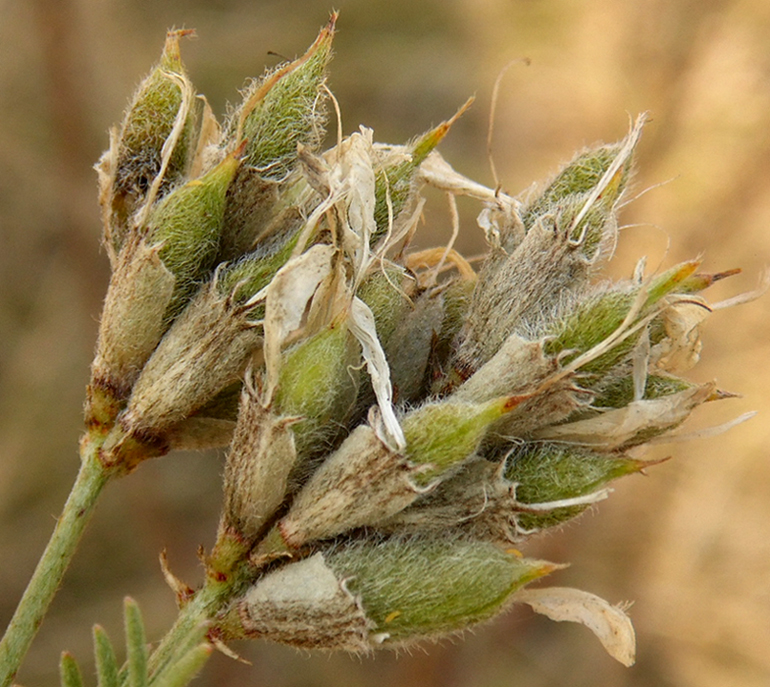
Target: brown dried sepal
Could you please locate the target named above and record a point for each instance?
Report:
(261, 458)
(360, 484)
(207, 348)
(305, 605)
(133, 319)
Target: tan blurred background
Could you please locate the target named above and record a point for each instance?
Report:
(690, 543)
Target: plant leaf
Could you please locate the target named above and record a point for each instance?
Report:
(136, 645)
(182, 670)
(106, 663)
(69, 671)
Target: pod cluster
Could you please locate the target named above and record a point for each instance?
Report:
(398, 424)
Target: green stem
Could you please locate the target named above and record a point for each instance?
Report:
(91, 479)
(199, 610)
(228, 573)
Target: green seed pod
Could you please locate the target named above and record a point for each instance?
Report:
(187, 224)
(417, 588)
(578, 178)
(409, 348)
(243, 279)
(261, 214)
(395, 180)
(281, 111)
(619, 391)
(591, 322)
(387, 294)
(441, 435)
(457, 300)
(549, 473)
(152, 279)
(164, 110)
(381, 292)
(316, 385)
(595, 318)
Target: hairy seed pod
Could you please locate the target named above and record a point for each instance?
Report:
(154, 147)
(417, 588)
(544, 473)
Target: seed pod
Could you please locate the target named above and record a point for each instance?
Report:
(577, 178)
(316, 386)
(205, 350)
(163, 114)
(392, 593)
(516, 295)
(546, 474)
(259, 462)
(187, 225)
(455, 505)
(417, 588)
(154, 277)
(634, 424)
(364, 482)
(280, 111)
(456, 300)
(381, 291)
(263, 215)
(409, 348)
(359, 484)
(517, 366)
(302, 604)
(395, 181)
(132, 323)
(594, 318)
(566, 236)
(619, 391)
(441, 435)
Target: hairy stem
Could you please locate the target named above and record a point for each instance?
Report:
(91, 479)
(188, 624)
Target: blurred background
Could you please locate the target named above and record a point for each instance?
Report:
(689, 543)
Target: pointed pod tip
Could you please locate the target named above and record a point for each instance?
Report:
(428, 141)
(640, 466)
(720, 394)
(332, 24)
(172, 57)
(326, 34)
(724, 275)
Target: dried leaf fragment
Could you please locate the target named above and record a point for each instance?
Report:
(609, 623)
